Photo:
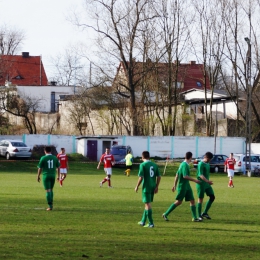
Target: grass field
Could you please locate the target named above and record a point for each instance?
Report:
(89, 222)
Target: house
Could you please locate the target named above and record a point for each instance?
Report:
(48, 96)
(224, 110)
(22, 70)
(26, 75)
(185, 75)
(112, 114)
(223, 105)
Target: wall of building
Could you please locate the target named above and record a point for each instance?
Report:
(101, 122)
(255, 148)
(43, 94)
(45, 122)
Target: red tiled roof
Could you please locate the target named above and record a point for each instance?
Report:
(22, 70)
(189, 74)
(193, 76)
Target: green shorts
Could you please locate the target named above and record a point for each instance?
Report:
(187, 194)
(202, 189)
(48, 181)
(147, 197)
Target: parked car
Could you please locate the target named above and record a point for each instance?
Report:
(197, 160)
(240, 165)
(14, 148)
(119, 152)
(216, 163)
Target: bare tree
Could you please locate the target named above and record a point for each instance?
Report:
(10, 40)
(174, 25)
(69, 68)
(241, 24)
(24, 107)
(211, 33)
(117, 37)
(79, 110)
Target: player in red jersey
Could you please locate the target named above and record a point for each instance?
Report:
(229, 168)
(64, 166)
(108, 160)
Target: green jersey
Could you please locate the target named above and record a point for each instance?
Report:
(149, 172)
(48, 163)
(184, 170)
(203, 169)
(129, 159)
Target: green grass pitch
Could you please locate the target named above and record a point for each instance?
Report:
(89, 222)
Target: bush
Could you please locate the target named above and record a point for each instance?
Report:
(77, 157)
(38, 151)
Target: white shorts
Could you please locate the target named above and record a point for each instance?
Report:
(63, 170)
(230, 173)
(108, 171)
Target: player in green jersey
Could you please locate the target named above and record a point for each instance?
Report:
(150, 178)
(48, 166)
(184, 189)
(204, 186)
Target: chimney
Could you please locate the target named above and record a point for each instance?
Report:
(192, 62)
(25, 54)
(53, 83)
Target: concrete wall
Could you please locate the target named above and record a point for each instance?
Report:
(162, 146)
(177, 146)
(68, 142)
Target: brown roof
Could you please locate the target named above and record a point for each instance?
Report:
(22, 70)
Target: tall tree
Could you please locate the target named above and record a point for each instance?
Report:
(243, 59)
(174, 23)
(211, 34)
(117, 24)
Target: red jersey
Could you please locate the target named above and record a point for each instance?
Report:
(107, 159)
(63, 159)
(230, 163)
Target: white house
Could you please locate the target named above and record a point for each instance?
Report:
(48, 96)
(222, 103)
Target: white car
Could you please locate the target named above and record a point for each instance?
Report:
(240, 165)
(14, 148)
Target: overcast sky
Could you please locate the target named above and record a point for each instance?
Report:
(44, 23)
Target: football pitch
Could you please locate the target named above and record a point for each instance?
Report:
(89, 222)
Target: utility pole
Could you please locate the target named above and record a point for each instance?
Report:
(90, 74)
(216, 129)
(248, 108)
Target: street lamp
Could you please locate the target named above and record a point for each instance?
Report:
(248, 107)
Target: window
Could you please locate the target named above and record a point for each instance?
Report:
(18, 77)
(18, 144)
(53, 102)
(199, 84)
(179, 85)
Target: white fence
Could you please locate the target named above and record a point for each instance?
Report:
(161, 146)
(67, 141)
(177, 146)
